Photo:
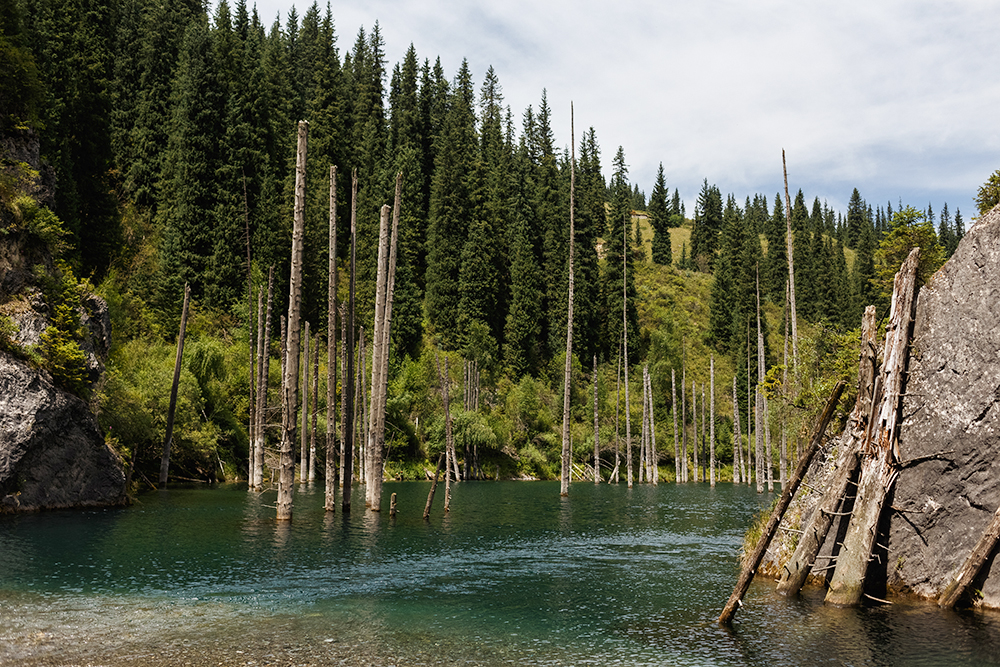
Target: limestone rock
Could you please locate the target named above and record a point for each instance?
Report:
(952, 405)
(52, 453)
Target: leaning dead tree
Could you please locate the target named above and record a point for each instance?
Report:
(564, 474)
(880, 447)
(168, 440)
(753, 561)
(795, 572)
(973, 564)
(286, 477)
(331, 352)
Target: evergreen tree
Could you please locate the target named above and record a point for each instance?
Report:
(452, 208)
(945, 232)
(590, 223)
(522, 349)
(676, 210)
(659, 220)
(774, 268)
(617, 257)
(863, 274)
(707, 227)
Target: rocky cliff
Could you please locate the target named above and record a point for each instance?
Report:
(949, 479)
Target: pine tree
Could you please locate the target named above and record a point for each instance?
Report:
(618, 220)
(591, 222)
(659, 219)
(774, 269)
(522, 350)
(707, 227)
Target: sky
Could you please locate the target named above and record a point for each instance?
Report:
(900, 99)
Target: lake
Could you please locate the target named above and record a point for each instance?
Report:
(513, 575)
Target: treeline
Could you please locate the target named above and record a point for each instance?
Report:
(170, 138)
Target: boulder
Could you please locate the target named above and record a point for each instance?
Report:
(950, 432)
(52, 453)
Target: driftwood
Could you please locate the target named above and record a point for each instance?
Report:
(879, 448)
(753, 561)
(973, 564)
(794, 573)
(434, 485)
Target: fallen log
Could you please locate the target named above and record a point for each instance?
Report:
(880, 453)
(973, 564)
(753, 562)
(795, 572)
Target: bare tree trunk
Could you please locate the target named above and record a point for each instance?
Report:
(347, 392)
(791, 268)
(738, 475)
(752, 562)
(653, 458)
(363, 445)
(330, 475)
(343, 391)
(673, 407)
(287, 475)
(703, 441)
(377, 343)
(618, 405)
(168, 440)
(711, 420)
(644, 438)
(628, 418)
(764, 418)
(597, 448)
(264, 364)
(304, 435)
(684, 431)
(784, 388)
(315, 398)
(751, 459)
(434, 484)
(974, 563)
(567, 452)
(448, 442)
(694, 429)
(795, 572)
(880, 447)
(255, 370)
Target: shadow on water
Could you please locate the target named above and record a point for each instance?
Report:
(513, 574)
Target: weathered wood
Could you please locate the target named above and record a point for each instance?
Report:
(597, 448)
(264, 359)
(795, 572)
(256, 366)
(694, 429)
(392, 506)
(330, 476)
(737, 438)
(790, 249)
(172, 407)
(347, 393)
(567, 451)
(313, 411)
(880, 454)
(752, 562)
(628, 418)
(304, 434)
(684, 431)
(618, 406)
(434, 484)
(654, 467)
(973, 564)
(711, 422)
(673, 407)
(287, 475)
(378, 342)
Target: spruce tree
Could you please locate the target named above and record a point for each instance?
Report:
(707, 227)
(590, 223)
(619, 218)
(522, 350)
(774, 270)
(659, 220)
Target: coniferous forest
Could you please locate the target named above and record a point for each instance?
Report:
(167, 143)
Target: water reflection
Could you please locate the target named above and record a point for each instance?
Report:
(512, 574)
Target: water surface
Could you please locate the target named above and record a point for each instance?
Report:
(513, 575)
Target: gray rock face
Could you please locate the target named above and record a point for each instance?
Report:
(952, 405)
(52, 453)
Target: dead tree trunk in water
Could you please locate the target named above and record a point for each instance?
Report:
(795, 572)
(564, 475)
(880, 454)
(653, 458)
(167, 441)
(264, 364)
(711, 420)
(684, 431)
(377, 343)
(694, 429)
(597, 448)
(618, 407)
(312, 409)
(304, 435)
(347, 391)
(330, 476)
(287, 475)
(737, 439)
(752, 562)
(628, 419)
(673, 407)
(973, 564)
(256, 366)
(434, 484)
(448, 443)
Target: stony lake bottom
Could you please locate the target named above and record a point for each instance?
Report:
(514, 574)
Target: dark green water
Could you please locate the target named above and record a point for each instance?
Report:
(515, 575)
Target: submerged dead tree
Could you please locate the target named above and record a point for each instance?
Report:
(331, 352)
(597, 448)
(628, 419)
(168, 440)
(264, 368)
(795, 572)
(673, 406)
(449, 444)
(286, 477)
(304, 435)
(739, 474)
(711, 420)
(752, 562)
(880, 448)
(347, 391)
(565, 473)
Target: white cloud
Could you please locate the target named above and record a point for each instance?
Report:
(896, 98)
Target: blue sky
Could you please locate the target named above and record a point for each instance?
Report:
(899, 99)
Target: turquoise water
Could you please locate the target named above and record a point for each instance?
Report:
(514, 575)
